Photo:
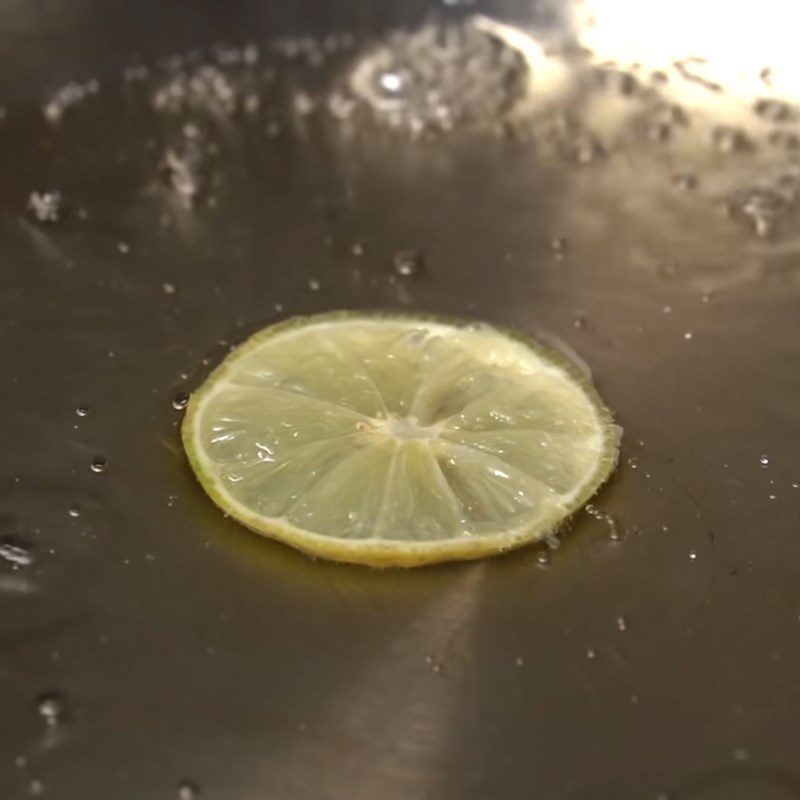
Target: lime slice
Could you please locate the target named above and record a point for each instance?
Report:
(397, 441)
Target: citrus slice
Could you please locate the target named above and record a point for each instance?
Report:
(397, 441)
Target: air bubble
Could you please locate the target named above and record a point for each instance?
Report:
(74, 511)
(98, 464)
(15, 553)
(46, 206)
(543, 558)
(559, 247)
(686, 181)
(764, 461)
(52, 708)
(188, 790)
(409, 263)
(180, 401)
(622, 623)
(82, 411)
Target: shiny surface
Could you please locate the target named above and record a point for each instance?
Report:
(183, 648)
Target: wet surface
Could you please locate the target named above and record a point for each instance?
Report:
(178, 655)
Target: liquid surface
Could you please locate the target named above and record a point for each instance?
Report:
(188, 649)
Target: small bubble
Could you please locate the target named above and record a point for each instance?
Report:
(52, 708)
(35, 787)
(685, 181)
(519, 661)
(740, 754)
(558, 245)
(20, 761)
(82, 411)
(188, 790)
(358, 247)
(634, 698)
(46, 206)
(579, 321)
(795, 485)
(74, 511)
(391, 82)
(587, 150)
(622, 623)
(169, 288)
(314, 285)
(543, 558)
(667, 309)
(409, 263)
(98, 464)
(633, 462)
(772, 110)
(180, 401)
(15, 553)
(123, 247)
(764, 461)
(590, 653)
(730, 140)
(693, 556)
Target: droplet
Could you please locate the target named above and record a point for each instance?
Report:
(590, 653)
(35, 787)
(409, 263)
(622, 623)
(180, 401)
(543, 558)
(98, 464)
(519, 661)
(764, 461)
(633, 462)
(52, 708)
(314, 285)
(188, 790)
(693, 556)
(123, 247)
(15, 553)
(82, 411)
(74, 511)
(169, 288)
(687, 335)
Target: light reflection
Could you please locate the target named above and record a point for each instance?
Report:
(748, 50)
